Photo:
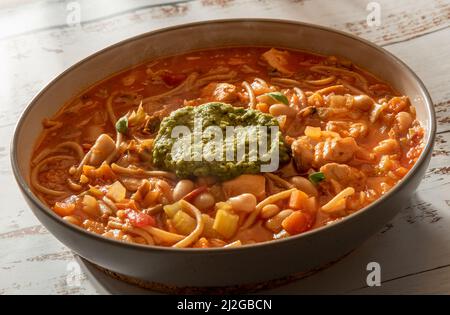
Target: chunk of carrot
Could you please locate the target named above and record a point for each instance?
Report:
(63, 209)
(297, 199)
(297, 222)
(262, 107)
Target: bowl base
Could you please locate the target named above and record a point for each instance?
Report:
(219, 290)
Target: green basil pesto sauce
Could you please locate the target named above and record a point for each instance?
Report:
(212, 114)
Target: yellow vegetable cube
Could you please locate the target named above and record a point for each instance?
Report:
(116, 192)
(208, 230)
(224, 206)
(226, 223)
(172, 209)
(183, 222)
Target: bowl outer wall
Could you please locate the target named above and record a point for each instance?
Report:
(231, 266)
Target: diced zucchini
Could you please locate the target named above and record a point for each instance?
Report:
(183, 222)
(172, 209)
(224, 206)
(116, 192)
(226, 223)
(208, 230)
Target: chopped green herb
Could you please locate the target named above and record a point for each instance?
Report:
(278, 96)
(316, 178)
(122, 125)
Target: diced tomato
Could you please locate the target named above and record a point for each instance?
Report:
(139, 219)
(173, 78)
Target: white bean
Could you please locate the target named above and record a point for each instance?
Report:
(281, 109)
(204, 201)
(269, 211)
(363, 102)
(243, 203)
(388, 146)
(182, 188)
(274, 223)
(304, 185)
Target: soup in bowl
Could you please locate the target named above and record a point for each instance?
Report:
(112, 161)
(189, 165)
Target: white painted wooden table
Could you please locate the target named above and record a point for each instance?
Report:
(36, 44)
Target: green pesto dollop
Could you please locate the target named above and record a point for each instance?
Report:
(170, 157)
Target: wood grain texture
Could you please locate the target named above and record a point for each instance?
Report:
(413, 249)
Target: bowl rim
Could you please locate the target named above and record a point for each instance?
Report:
(24, 187)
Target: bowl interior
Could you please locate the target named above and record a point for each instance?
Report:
(214, 34)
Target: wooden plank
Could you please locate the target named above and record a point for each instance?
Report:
(400, 20)
(56, 13)
(34, 263)
(436, 281)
